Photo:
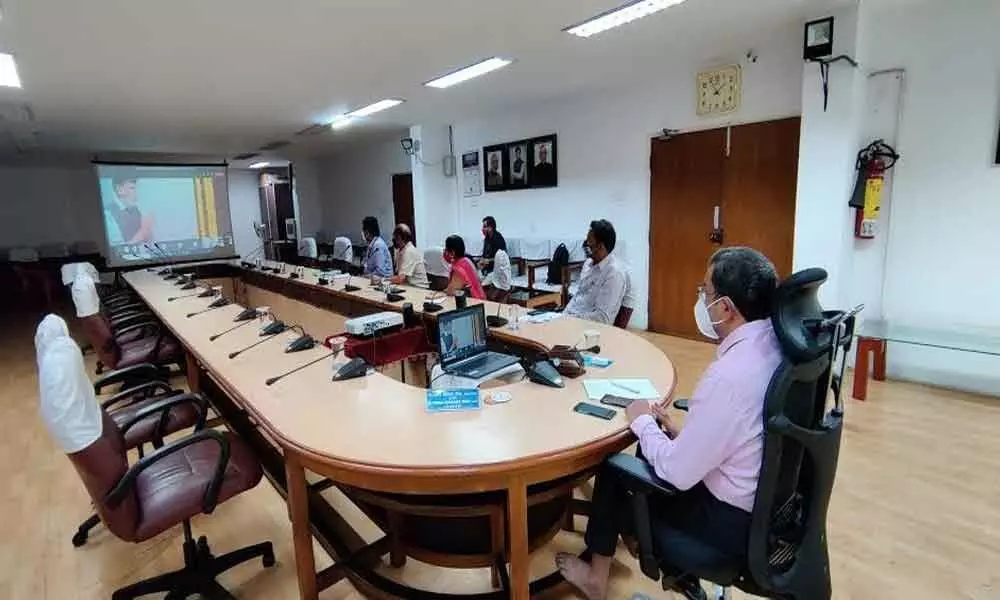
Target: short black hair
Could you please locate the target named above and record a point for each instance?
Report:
(490, 222)
(402, 231)
(370, 224)
(456, 244)
(119, 180)
(746, 277)
(604, 232)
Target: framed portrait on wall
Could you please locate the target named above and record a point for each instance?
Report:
(544, 171)
(519, 159)
(495, 158)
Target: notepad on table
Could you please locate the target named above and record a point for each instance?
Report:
(634, 389)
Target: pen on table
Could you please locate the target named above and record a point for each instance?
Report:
(624, 387)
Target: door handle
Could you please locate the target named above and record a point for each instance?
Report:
(717, 236)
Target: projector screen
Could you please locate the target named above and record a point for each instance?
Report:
(160, 213)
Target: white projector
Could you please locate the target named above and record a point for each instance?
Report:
(370, 325)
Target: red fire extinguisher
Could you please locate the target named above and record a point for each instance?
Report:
(873, 161)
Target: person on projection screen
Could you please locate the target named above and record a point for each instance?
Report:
(135, 227)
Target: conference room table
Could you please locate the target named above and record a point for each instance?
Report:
(375, 433)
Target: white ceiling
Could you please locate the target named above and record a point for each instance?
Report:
(226, 76)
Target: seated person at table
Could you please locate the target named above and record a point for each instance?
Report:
(715, 459)
(499, 278)
(602, 283)
(410, 268)
(377, 262)
(463, 272)
(493, 241)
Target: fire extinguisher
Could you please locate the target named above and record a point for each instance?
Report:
(873, 161)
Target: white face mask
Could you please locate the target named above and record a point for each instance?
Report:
(704, 320)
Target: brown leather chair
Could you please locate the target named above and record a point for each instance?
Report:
(153, 346)
(145, 418)
(169, 487)
(623, 317)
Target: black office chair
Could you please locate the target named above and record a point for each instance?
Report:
(787, 555)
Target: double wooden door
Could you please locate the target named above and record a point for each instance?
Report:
(740, 179)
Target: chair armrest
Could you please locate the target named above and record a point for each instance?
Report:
(125, 307)
(163, 408)
(146, 371)
(148, 388)
(153, 326)
(211, 498)
(681, 404)
(639, 476)
(129, 318)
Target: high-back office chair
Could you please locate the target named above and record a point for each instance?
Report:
(143, 341)
(189, 476)
(438, 271)
(787, 555)
(308, 251)
(343, 249)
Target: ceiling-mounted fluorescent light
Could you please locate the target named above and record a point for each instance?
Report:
(472, 71)
(8, 71)
(341, 122)
(260, 165)
(371, 109)
(636, 9)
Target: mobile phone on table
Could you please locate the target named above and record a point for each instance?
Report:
(594, 411)
(612, 400)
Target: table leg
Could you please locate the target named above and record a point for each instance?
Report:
(194, 385)
(879, 367)
(517, 524)
(298, 503)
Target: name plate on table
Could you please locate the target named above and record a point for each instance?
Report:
(452, 400)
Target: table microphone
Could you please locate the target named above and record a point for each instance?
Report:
(349, 287)
(281, 326)
(496, 320)
(277, 378)
(222, 333)
(172, 298)
(218, 303)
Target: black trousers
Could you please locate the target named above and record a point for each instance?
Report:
(695, 512)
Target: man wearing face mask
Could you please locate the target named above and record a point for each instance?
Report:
(377, 260)
(715, 458)
(602, 280)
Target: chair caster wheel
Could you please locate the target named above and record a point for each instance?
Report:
(79, 539)
(268, 560)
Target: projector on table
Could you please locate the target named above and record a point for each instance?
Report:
(378, 323)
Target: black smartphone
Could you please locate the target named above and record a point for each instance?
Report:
(618, 401)
(594, 411)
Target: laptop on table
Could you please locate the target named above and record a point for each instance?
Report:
(462, 343)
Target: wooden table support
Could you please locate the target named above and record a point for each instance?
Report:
(298, 503)
(517, 525)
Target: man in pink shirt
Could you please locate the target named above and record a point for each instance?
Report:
(714, 460)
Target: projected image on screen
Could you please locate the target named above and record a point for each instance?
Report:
(165, 213)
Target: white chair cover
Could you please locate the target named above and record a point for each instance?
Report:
(84, 292)
(434, 260)
(473, 244)
(308, 247)
(69, 271)
(343, 250)
(514, 247)
(536, 249)
(66, 398)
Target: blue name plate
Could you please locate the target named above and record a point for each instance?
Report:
(452, 400)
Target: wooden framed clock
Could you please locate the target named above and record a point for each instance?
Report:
(719, 90)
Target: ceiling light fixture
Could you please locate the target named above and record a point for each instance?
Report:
(616, 17)
(260, 165)
(8, 71)
(371, 109)
(472, 71)
(340, 122)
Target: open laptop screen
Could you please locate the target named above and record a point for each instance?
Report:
(461, 333)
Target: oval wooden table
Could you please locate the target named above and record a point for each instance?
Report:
(374, 433)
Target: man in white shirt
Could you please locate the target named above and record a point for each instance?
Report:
(603, 282)
(410, 268)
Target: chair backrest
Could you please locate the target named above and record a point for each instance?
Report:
(535, 249)
(560, 258)
(308, 248)
(342, 249)
(23, 254)
(623, 317)
(95, 324)
(80, 426)
(787, 552)
(69, 271)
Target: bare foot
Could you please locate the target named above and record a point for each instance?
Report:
(579, 574)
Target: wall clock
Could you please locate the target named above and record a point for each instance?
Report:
(719, 90)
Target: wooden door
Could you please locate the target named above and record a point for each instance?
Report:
(685, 186)
(751, 178)
(402, 201)
(758, 205)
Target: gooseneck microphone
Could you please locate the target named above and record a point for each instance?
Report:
(218, 303)
(234, 328)
(351, 288)
(195, 295)
(271, 334)
(277, 378)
